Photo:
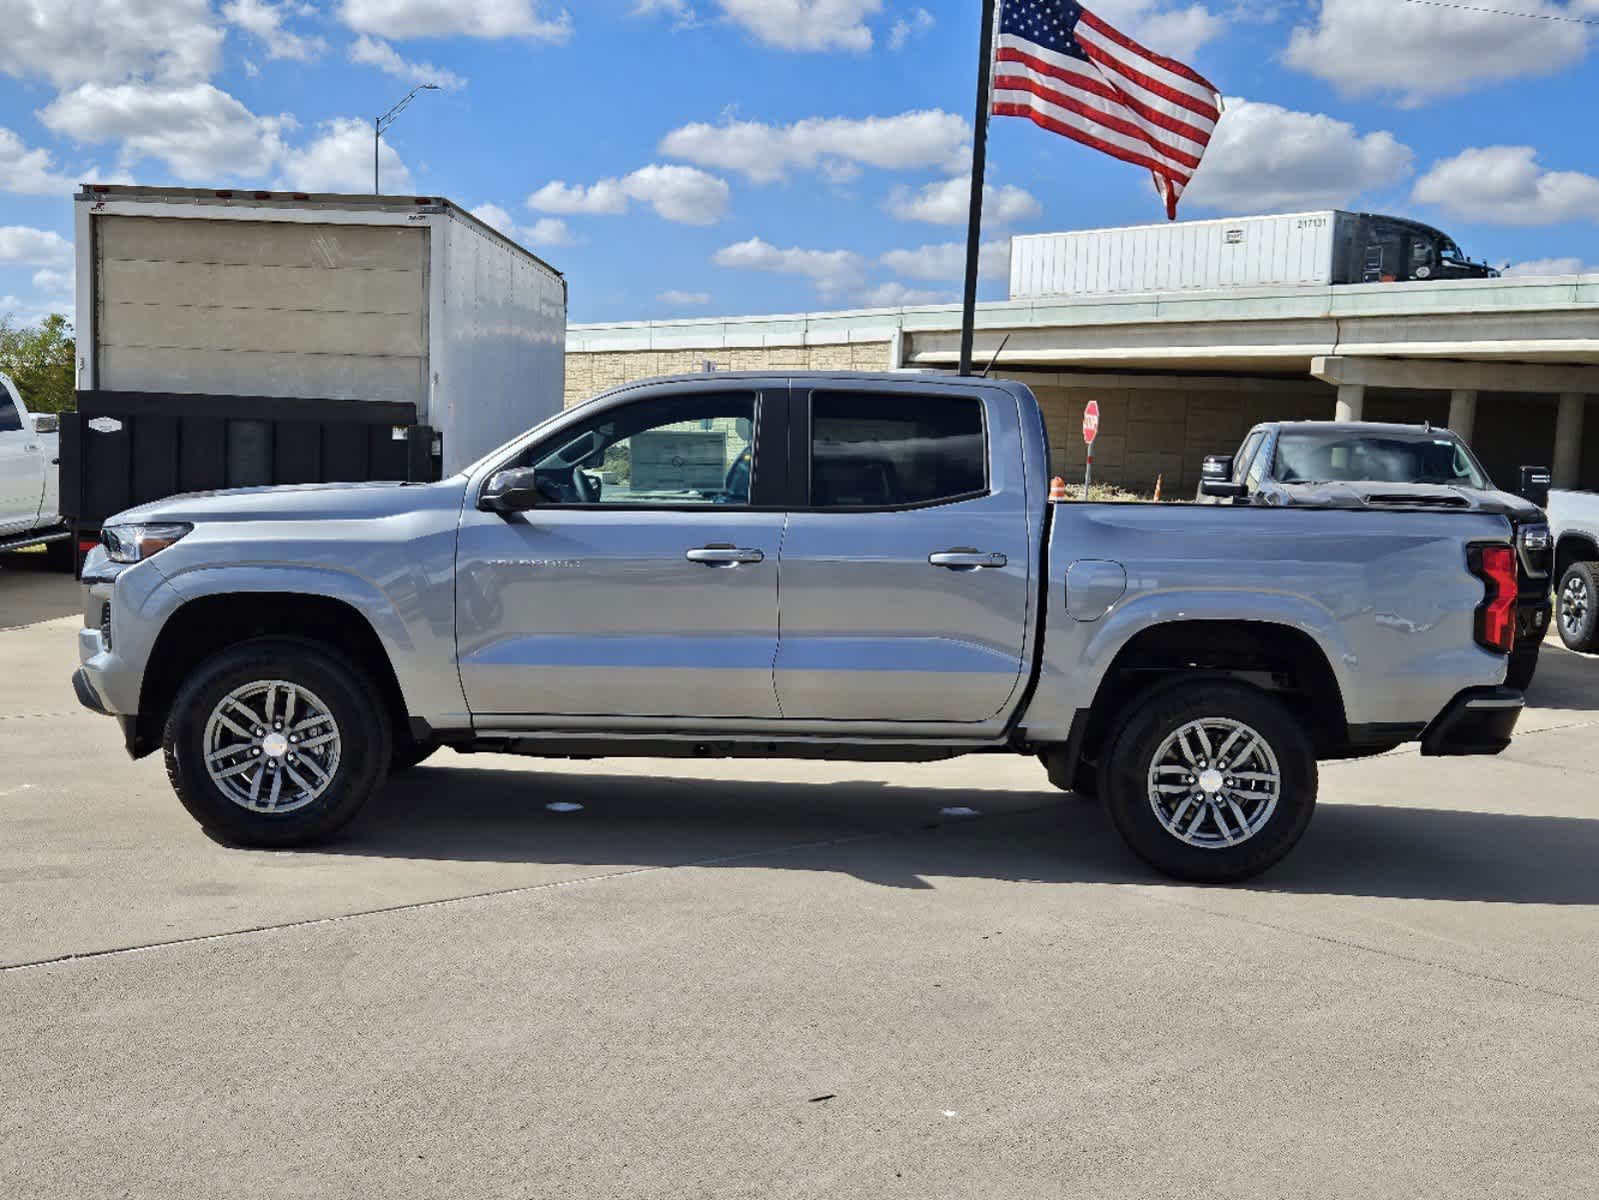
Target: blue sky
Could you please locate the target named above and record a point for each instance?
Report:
(698, 157)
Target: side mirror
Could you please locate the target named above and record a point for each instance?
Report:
(1535, 485)
(1222, 489)
(1217, 466)
(46, 423)
(511, 492)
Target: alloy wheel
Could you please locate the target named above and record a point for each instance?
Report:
(1214, 783)
(272, 746)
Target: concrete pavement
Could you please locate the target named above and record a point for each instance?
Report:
(791, 980)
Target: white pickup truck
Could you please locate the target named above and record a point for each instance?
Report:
(1574, 522)
(30, 501)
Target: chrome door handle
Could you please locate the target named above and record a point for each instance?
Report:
(966, 559)
(724, 556)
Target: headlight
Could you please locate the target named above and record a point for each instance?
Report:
(1536, 537)
(135, 543)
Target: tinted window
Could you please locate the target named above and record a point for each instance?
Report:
(1391, 458)
(665, 452)
(9, 418)
(890, 450)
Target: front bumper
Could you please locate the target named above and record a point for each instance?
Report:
(1532, 621)
(1478, 721)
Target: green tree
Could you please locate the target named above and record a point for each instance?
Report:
(42, 361)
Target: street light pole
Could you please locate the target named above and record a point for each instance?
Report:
(379, 124)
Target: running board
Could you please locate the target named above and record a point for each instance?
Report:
(45, 539)
(647, 745)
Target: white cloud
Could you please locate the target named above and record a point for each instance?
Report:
(948, 202)
(681, 11)
(683, 194)
(765, 153)
(905, 28)
(1506, 184)
(455, 18)
(200, 132)
(375, 52)
(61, 284)
(897, 295)
(1173, 31)
(265, 21)
(23, 245)
(1552, 266)
(28, 171)
(1420, 52)
(604, 199)
(679, 299)
(548, 231)
(494, 215)
(832, 271)
(1266, 158)
(340, 160)
(945, 261)
(70, 42)
(806, 24)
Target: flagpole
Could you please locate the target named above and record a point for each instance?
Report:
(974, 223)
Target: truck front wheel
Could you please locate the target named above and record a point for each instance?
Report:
(1577, 607)
(275, 742)
(1211, 782)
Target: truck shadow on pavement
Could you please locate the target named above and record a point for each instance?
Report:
(30, 592)
(897, 837)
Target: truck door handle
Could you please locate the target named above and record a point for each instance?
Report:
(964, 558)
(724, 556)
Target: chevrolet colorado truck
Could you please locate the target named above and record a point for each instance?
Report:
(1360, 464)
(859, 567)
(29, 479)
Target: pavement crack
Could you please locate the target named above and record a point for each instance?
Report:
(1349, 944)
(442, 902)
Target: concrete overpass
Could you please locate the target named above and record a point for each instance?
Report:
(1509, 363)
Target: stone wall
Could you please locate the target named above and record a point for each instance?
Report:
(588, 374)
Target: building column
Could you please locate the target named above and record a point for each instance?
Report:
(1568, 439)
(1463, 414)
(1351, 402)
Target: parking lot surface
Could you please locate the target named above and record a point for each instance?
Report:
(788, 980)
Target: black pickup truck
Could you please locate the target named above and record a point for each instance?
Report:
(1332, 464)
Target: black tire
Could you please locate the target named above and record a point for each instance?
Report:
(1126, 771)
(1081, 780)
(365, 741)
(409, 753)
(1523, 664)
(1577, 607)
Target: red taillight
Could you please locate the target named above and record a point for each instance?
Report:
(1496, 615)
(87, 544)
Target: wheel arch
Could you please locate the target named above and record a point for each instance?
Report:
(207, 625)
(1571, 548)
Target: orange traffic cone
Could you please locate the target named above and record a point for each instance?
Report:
(1159, 480)
(1057, 490)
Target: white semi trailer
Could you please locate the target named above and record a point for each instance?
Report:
(1288, 249)
(230, 338)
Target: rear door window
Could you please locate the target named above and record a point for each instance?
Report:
(877, 450)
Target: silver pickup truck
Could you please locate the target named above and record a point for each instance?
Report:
(859, 567)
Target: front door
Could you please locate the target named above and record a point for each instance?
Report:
(645, 583)
(907, 575)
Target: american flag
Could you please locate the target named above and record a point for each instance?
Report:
(1063, 68)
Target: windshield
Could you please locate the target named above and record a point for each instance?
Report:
(1343, 457)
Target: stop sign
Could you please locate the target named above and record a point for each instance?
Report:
(1091, 422)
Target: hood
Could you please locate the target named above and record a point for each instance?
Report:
(1410, 495)
(299, 502)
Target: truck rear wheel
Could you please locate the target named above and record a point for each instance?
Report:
(1577, 607)
(276, 742)
(1211, 782)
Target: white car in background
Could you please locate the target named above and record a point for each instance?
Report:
(30, 478)
(1574, 522)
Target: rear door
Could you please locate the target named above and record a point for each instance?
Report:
(906, 566)
(21, 467)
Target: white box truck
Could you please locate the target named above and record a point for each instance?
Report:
(1288, 249)
(232, 338)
